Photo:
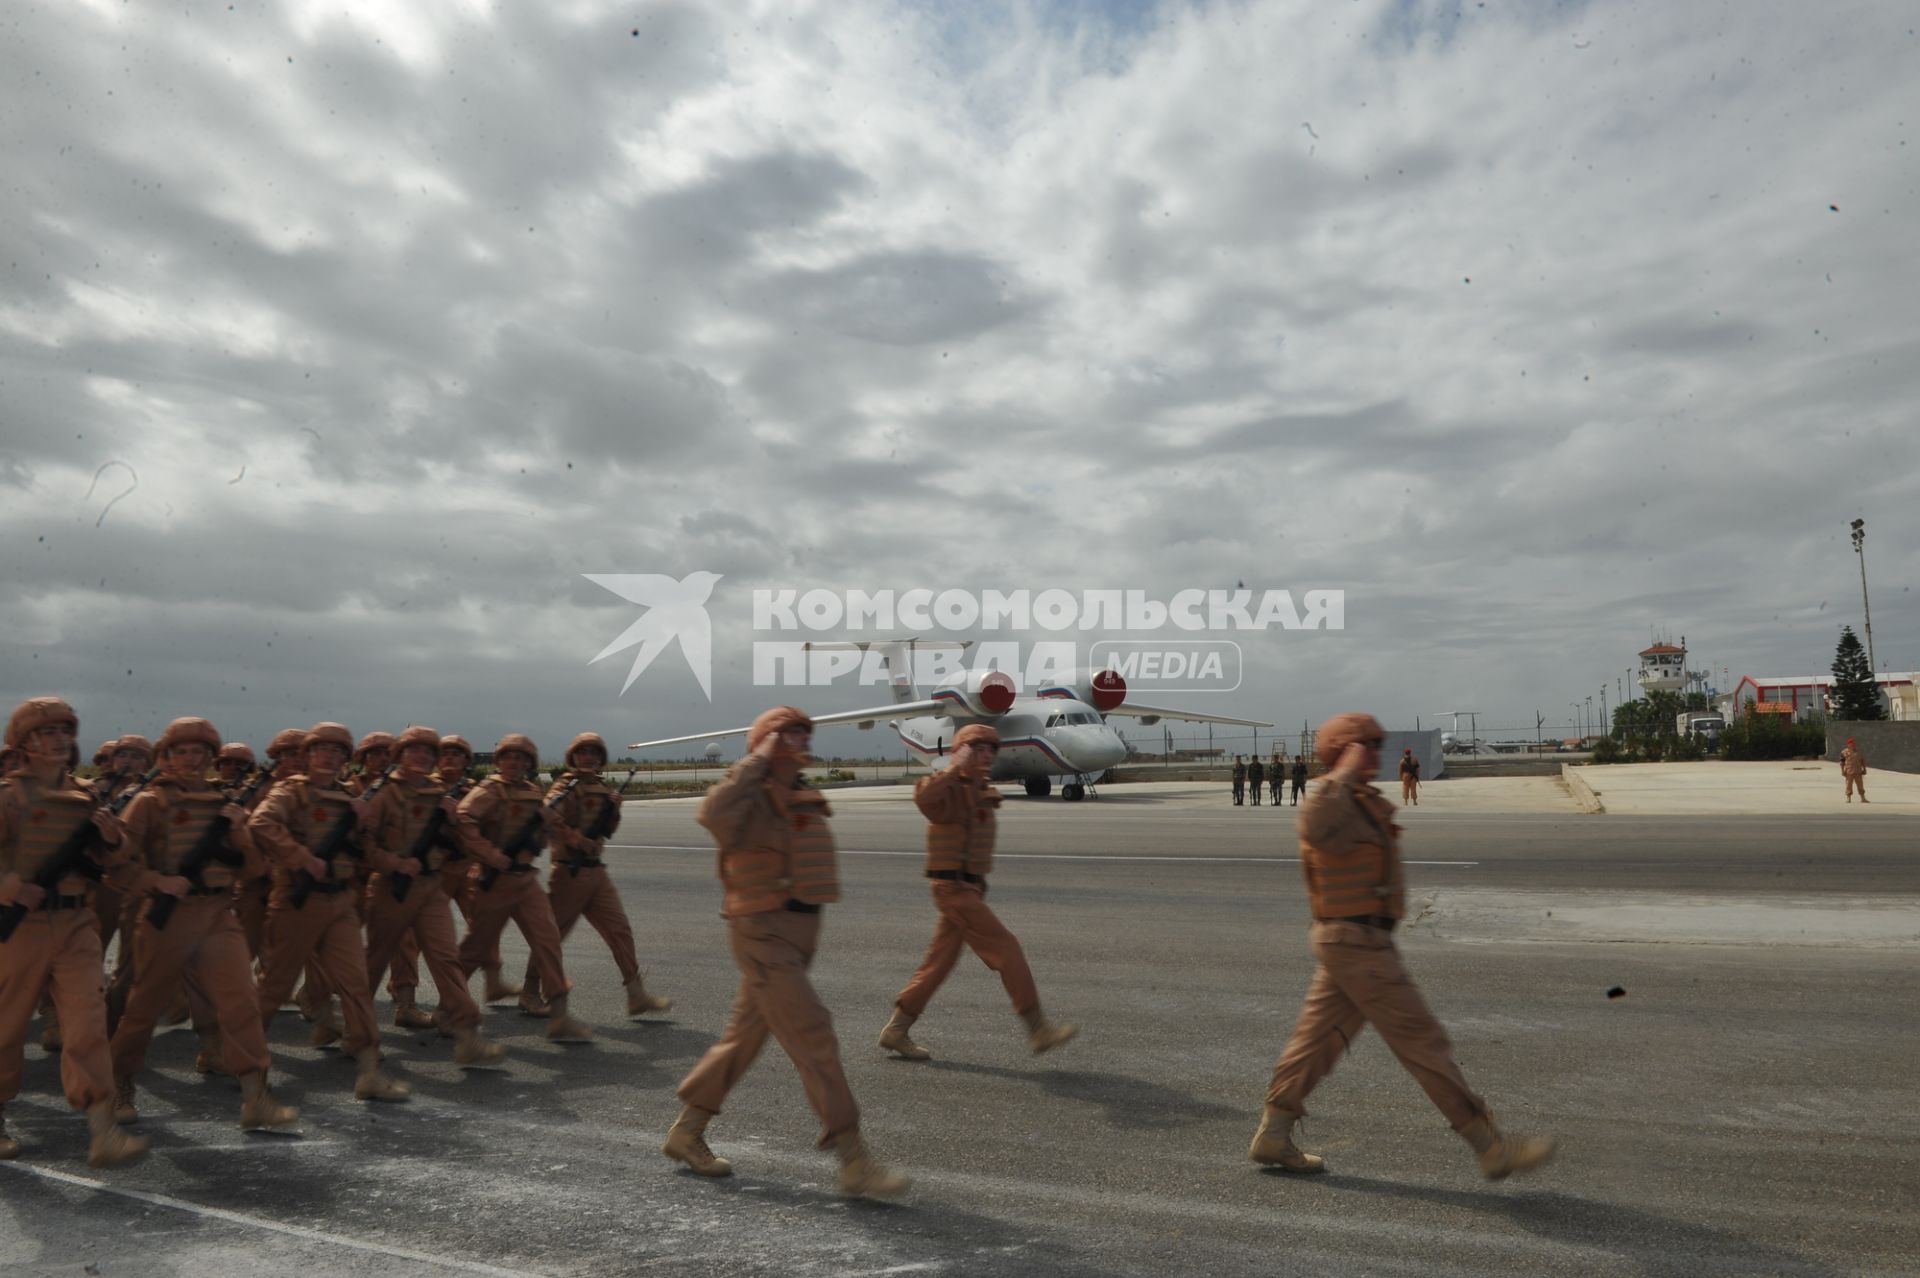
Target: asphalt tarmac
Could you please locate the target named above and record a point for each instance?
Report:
(1747, 1107)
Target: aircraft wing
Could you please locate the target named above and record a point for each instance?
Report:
(871, 715)
(1135, 710)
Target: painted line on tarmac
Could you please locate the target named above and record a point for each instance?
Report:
(1034, 856)
(271, 1226)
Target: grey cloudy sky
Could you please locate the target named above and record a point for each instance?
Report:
(1533, 327)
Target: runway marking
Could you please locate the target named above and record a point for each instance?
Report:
(1034, 856)
(272, 1226)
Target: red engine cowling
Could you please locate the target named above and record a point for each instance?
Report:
(1104, 690)
(988, 693)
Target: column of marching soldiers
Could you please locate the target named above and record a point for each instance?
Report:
(331, 865)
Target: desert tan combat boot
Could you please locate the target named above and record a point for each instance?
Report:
(1502, 1155)
(639, 1001)
(687, 1143)
(497, 987)
(1044, 1035)
(374, 1083)
(1273, 1144)
(894, 1038)
(123, 1107)
(864, 1176)
(469, 1049)
(258, 1110)
(407, 1014)
(111, 1147)
(9, 1147)
(210, 1060)
(562, 1028)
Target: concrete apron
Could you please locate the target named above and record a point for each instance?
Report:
(1492, 915)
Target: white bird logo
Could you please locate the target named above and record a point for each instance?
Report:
(674, 610)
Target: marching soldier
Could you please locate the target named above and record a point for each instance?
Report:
(495, 830)
(103, 757)
(959, 804)
(231, 765)
(1256, 775)
(1853, 767)
(1239, 781)
(370, 758)
(54, 942)
(776, 863)
(12, 761)
(1409, 777)
(132, 756)
(1350, 857)
(456, 761)
(185, 930)
(578, 884)
(287, 754)
(312, 912)
(399, 827)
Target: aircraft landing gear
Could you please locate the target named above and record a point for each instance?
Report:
(1039, 787)
(1081, 787)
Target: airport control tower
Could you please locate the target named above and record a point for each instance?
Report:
(1663, 667)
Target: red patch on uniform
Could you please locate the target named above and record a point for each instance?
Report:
(182, 817)
(39, 814)
(415, 809)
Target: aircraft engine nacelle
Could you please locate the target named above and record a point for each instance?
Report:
(987, 693)
(1104, 690)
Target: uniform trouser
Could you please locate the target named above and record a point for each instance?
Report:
(57, 950)
(204, 948)
(1239, 791)
(1360, 982)
(965, 919)
(1856, 783)
(773, 951)
(1409, 790)
(590, 894)
(1253, 790)
(326, 930)
(517, 897)
(457, 880)
(250, 911)
(1298, 786)
(109, 904)
(404, 977)
(424, 917)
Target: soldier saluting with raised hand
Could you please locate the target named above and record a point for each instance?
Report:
(960, 805)
(49, 824)
(1350, 858)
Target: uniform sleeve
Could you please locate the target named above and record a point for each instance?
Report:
(944, 798)
(268, 827)
(732, 800)
(481, 802)
(130, 869)
(1327, 814)
(9, 831)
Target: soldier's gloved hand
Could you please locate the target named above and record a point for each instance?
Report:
(27, 894)
(172, 885)
(450, 805)
(110, 828)
(234, 813)
(316, 867)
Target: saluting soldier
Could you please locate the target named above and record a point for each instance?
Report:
(312, 913)
(505, 814)
(200, 944)
(578, 884)
(1256, 775)
(54, 946)
(960, 804)
(399, 828)
(1350, 858)
(776, 863)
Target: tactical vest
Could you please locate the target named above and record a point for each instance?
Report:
(761, 879)
(419, 798)
(519, 803)
(967, 846)
(315, 812)
(583, 809)
(47, 819)
(185, 816)
(1364, 880)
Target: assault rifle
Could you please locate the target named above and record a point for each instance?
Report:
(211, 846)
(75, 856)
(603, 824)
(429, 835)
(528, 836)
(337, 841)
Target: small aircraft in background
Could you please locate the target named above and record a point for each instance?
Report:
(1060, 730)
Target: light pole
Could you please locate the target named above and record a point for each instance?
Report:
(1860, 549)
(1576, 721)
(1606, 729)
(1589, 719)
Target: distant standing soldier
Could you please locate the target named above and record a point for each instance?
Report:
(1409, 777)
(1256, 775)
(777, 866)
(1277, 777)
(1239, 781)
(1299, 777)
(959, 804)
(1350, 858)
(55, 947)
(1853, 767)
(578, 885)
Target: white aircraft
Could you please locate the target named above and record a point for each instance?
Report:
(1059, 731)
